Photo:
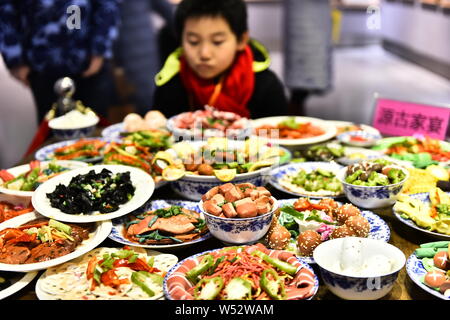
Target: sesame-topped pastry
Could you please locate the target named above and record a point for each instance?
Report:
(307, 241)
(359, 225)
(346, 211)
(342, 232)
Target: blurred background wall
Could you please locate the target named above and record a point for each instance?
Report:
(405, 56)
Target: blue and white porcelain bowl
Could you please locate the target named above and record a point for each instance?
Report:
(372, 197)
(346, 285)
(239, 230)
(193, 187)
(73, 132)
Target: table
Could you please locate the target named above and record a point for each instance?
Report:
(403, 237)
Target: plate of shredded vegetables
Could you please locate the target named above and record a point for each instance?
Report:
(241, 273)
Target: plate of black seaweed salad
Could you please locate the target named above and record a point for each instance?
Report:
(12, 282)
(94, 193)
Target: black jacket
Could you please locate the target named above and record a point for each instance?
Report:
(268, 98)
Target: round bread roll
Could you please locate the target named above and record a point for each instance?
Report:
(307, 241)
(342, 232)
(133, 122)
(279, 237)
(359, 225)
(154, 119)
(346, 211)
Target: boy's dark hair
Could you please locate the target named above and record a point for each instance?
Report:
(233, 11)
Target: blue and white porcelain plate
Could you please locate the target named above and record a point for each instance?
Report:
(379, 230)
(424, 197)
(303, 263)
(114, 130)
(416, 272)
(290, 169)
(117, 232)
(46, 153)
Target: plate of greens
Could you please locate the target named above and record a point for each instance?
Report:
(94, 193)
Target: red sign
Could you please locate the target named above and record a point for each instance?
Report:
(399, 118)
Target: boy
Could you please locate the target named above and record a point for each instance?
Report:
(217, 64)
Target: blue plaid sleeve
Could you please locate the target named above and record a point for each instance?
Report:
(106, 18)
(10, 40)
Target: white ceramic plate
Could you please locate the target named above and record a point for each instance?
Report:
(26, 167)
(46, 153)
(416, 272)
(424, 197)
(379, 230)
(169, 259)
(118, 224)
(330, 130)
(292, 168)
(101, 233)
(114, 130)
(143, 183)
(19, 282)
(365, 127)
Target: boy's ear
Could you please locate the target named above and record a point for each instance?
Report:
(243, 41)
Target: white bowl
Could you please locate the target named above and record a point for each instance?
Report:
(371, 197)
(239, 230)
(354, 287)
(67, 131)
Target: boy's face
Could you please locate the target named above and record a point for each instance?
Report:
(210, 46)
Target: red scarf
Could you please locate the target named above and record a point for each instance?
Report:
(233, 91)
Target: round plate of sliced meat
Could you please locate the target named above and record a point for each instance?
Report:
(32, 242)
(161, 224)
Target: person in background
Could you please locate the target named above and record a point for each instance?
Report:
(217, 64)
(308, 50)
(137, 48)
(44, 40)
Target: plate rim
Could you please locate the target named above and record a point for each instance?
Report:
(102, 231)
(38, 197)
(18, 285)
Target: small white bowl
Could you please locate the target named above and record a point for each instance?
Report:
(353, 287)
(239, 230)
(371, 197)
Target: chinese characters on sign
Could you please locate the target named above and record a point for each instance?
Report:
(400, 118)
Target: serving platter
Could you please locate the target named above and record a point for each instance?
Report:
(16, 171)
(19, 281)
(68, 281)
(95, 238)
(142, 181)
(424, 197)
(340, 125)
(46, 153)
(329, 130)
(416, 272)
(379, 229)
(117, 232)
(290, 169)
(193, 260)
